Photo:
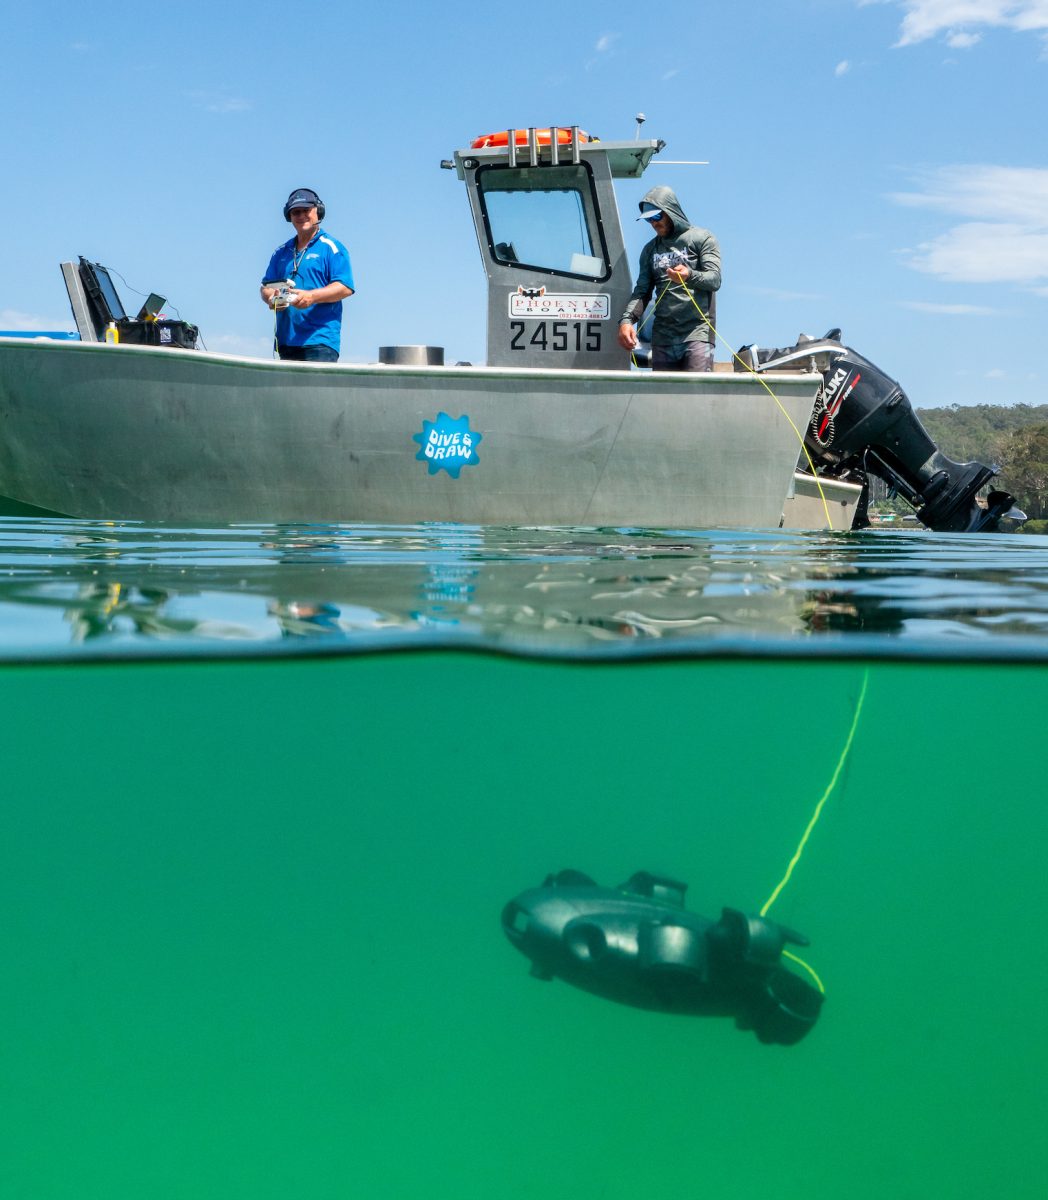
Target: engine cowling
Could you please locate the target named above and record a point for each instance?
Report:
(863, 423)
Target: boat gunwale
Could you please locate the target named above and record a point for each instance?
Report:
(704, 380)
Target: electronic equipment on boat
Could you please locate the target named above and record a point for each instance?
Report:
(97, 305)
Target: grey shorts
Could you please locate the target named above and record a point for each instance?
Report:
(682, 356)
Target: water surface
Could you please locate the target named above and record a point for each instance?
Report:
(86, 586)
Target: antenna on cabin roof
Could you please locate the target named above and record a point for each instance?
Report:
(670, 162)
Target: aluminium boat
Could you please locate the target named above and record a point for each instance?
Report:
(559, 427)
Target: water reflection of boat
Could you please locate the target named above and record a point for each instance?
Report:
(122, 611)
(128, 588)
(524, 588)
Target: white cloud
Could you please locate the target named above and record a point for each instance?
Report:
(984, 192)
(842, 68)
(1005, 236)
(948, 310)
(12, 319)
(606, 41)
(957, 19)
(218, 102)
(982, 252)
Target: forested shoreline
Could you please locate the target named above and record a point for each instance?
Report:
(1013, 437)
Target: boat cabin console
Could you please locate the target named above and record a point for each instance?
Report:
(550, 237)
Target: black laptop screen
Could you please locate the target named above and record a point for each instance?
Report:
(97, 274)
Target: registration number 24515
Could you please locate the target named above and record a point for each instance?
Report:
(556, 335)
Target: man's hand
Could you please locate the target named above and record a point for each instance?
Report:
(627, 336)
(299, 299)
(679, 274)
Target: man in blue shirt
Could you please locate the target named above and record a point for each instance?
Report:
(309, 312)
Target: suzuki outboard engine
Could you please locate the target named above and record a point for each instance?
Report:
(863, 423)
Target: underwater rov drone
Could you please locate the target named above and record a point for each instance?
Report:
(637, 944)
(863, 424)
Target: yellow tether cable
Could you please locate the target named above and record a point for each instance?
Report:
(825, 796)
(760, 378)
(811, 970)
(814, 819)
(633, 357)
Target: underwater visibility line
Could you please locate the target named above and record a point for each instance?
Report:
(814, 820)
(761, 380)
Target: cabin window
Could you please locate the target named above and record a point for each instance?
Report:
(539, 219)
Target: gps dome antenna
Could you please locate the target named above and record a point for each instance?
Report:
(669, 162)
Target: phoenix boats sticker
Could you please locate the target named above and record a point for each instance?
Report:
(447, 443)
(539, 304)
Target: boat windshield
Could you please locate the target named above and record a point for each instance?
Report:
(537, 218)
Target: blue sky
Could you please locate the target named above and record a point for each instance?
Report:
(881, 165)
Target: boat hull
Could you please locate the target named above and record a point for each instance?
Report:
(821, 503)
(166, 435)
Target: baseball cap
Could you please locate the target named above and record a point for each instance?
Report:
(650, 214)
(303, 198)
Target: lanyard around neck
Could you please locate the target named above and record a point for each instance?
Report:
(296, 259)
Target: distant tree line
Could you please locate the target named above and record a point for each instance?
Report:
(1013, 437)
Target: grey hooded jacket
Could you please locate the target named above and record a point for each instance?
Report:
(676, 317)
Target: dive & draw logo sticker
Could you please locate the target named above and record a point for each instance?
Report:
(448, 444)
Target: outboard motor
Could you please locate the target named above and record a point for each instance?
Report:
(864, 423)
(637, 944)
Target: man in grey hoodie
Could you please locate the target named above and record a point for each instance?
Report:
(681, 265)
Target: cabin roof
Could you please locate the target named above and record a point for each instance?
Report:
(628, 160)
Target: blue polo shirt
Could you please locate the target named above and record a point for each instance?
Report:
(322, 262)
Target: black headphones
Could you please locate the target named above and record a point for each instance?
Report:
(300, 198)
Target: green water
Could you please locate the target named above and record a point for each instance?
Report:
(249, 922)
